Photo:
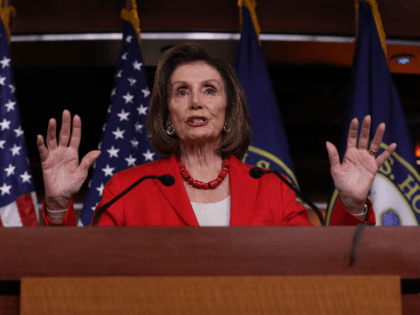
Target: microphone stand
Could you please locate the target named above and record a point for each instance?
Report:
(167, 180)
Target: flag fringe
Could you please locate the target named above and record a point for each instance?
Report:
(374, 7)
(132, 17)
(250, 5)
(5, 14)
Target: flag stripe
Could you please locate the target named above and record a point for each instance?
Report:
(26, 209)
(10, 215)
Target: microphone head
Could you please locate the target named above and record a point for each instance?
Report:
(167, 180)
(256, 172)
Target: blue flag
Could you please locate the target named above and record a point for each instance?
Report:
(124, 142)
(269, 148)
(17, 191)
(395, 192)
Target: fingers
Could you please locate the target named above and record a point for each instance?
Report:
(333, 155)
(352, 138)
(364, 133)
(51, 132)
(88, 160)
(385, 155)
(43, 152)
(65, 129)
(76, 132)
(376, 142)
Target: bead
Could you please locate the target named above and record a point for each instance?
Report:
(213, 184)
(190, 180)
(223, 173)
(225, 162)
(206, 186)
(185, 174)
(198, 184)
(219, 179)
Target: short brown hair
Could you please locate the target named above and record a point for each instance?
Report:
(236, 141)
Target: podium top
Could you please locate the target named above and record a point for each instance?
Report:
(206, 251)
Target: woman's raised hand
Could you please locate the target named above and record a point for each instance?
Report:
(354, 177)
(63, 175)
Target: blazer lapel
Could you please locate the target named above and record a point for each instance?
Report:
(243, 191)
(176, 194)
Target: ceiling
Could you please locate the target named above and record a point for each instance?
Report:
(325, 17)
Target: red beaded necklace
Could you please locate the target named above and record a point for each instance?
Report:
(200, 185)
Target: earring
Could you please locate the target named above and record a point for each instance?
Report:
(170, 130)
(226, 128)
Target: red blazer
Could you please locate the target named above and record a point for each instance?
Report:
(254, 202)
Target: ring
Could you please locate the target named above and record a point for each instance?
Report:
(373, 152)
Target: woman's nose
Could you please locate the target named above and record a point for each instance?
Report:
(195, 102)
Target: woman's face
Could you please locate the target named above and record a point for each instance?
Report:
(197, 103)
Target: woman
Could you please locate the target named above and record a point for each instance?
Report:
(199, 124)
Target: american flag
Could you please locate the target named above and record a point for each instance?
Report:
(124, 143)
(17, 191)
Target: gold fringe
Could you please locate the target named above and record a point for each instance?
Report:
(250, 5)
(132, 17)
(374, 7)
(5, 14)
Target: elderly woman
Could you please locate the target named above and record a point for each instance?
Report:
(200, 126)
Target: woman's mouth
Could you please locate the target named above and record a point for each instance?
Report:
(197, 121)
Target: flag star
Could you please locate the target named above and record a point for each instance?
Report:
(128, 98)
(5, 62)
(131, 161)
(124, 56)
(108, 170)
(90, 182)
(134, 142)
(138, 127)
(113, 152)
(5, 124)
(93, 208)
(104, 127)
(100, 188)
(5, 189)
(137, 65)
(142, 110)
(132, 81)
(12, 88)
(99, 145)
(146, 92)
(123, 115)
(19, 131)
(26, 177)
(94, 164)
(128, 39)
(148, 155)
(10, 105)
(119, 74)
(114, 91)
(2, 142)
(15, 150)
(10, 170)
(118, 133)
(2, 79)
(109, 108)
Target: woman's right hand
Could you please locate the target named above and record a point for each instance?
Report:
(63, 175)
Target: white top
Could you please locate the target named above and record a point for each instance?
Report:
(212, 214)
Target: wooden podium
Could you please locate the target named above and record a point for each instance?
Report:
(207, 270)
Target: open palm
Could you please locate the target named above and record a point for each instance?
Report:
(354, 177)
(63, 175)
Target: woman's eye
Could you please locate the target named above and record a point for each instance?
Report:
(181, 92)
(210, 91)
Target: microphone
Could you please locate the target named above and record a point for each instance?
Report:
(167, 180)
(257, 172)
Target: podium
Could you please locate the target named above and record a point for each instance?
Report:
(228, 257)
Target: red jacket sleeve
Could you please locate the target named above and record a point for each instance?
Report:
(69, 219)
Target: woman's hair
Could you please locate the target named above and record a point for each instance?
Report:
(236, 141)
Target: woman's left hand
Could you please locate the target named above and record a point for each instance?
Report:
(354, 177)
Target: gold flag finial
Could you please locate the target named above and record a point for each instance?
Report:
(132, 17)
(374, 7)
(5, 14)
(250, 5)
